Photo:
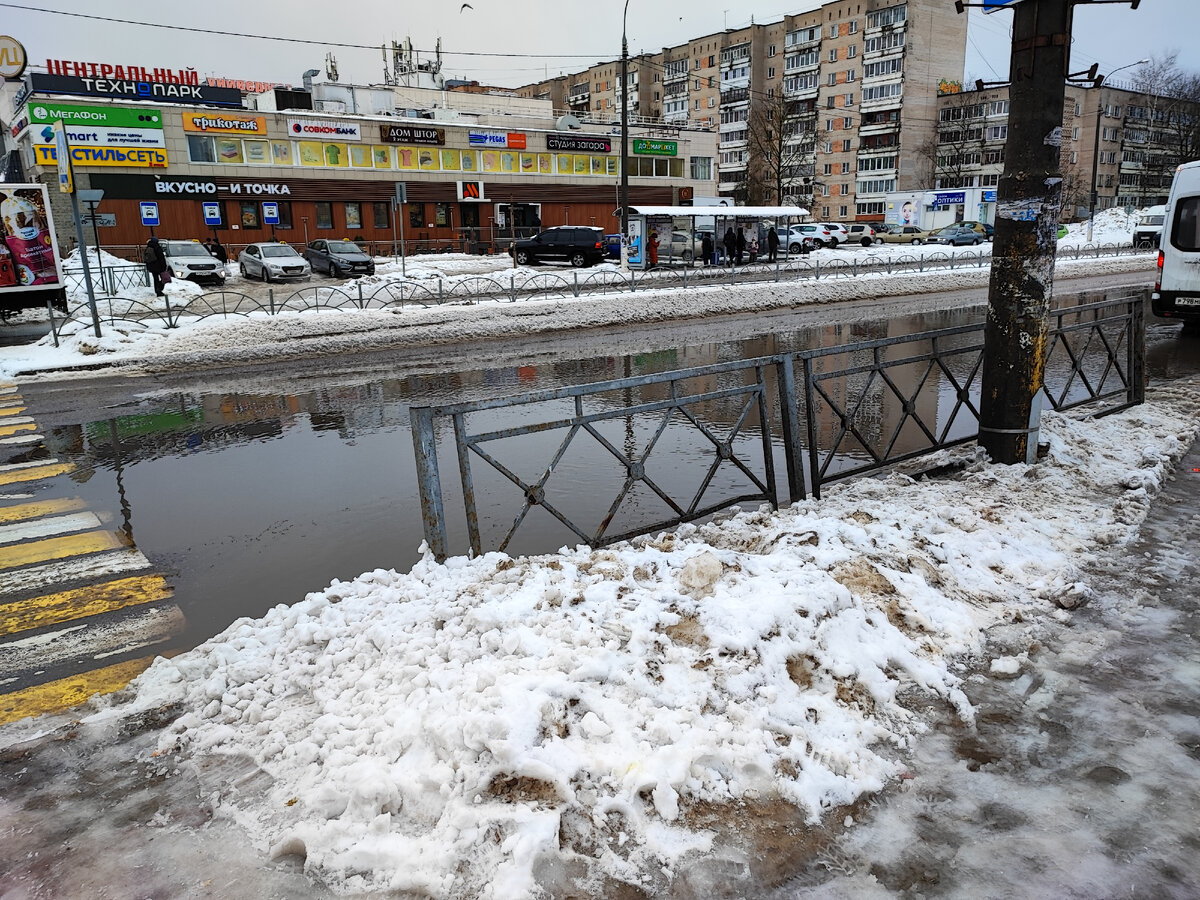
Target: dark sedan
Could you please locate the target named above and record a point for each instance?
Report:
(340, 259)
(956, 235)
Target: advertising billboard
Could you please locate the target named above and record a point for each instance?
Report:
(29, 258)
(97, 126)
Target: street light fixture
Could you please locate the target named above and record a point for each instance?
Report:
(1096, 143)
(624, 143)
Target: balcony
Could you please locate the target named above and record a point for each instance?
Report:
(735, 95)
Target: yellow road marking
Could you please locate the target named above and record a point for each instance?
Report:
(71, 691)
(6, 430)
(59, 548)
(23, 511)
(35, 473)
(79, 603)
(11, 410)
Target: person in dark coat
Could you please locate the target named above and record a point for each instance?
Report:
(213, 246)
(740, 240)
(706, 249)
(730, 242)
(772, 245)
(156, 264)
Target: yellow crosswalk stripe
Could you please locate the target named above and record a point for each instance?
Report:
(59, 548)
(23, 511)
(79, 603)
(71, 691)
(34, 473)
(6, 430)
(11, 410)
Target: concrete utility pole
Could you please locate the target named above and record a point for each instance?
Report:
(1028, 202)
(624, 144)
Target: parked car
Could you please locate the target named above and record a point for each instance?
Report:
(576, 244)
(681, 247)
(982, 227)
(838, 232)
(272, 262)
(1149, 228)
(955, 235)
(818, 234)
(905, 234)
(341, 259)
(864, 233)
(190, 260)
(791, 240)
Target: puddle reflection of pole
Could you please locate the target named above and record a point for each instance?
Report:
(118, 466)
(630, 445)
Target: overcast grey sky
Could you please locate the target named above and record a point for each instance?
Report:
(533, 31)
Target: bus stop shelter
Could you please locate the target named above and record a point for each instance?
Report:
(647, 220)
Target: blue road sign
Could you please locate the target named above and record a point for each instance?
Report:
(270, 213)
(212, 213)
(991, 6)
(149, 213)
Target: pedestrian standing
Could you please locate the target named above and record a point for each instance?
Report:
(772, 245)
(706, 249)
(652, 249)
(156, 265)
(218, 251)
(740, 244)
(730, 242)
(752, 245)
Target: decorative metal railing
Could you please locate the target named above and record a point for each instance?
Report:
(841, 411)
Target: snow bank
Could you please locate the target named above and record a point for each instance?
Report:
(463, 729)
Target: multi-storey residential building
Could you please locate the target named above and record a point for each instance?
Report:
(858, 82)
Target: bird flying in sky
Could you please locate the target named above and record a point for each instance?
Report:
(465, 6)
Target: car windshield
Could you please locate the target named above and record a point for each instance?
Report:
(1152, 220)
(187, 250)
(278, 250)
(344, 247)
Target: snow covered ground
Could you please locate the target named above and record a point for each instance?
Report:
(574, 722)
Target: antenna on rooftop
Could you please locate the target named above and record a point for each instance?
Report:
(331, 71)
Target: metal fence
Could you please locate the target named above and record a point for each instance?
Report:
(509, 287)
(829, 413)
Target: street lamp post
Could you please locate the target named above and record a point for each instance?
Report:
(1096, 143)
(624, 143)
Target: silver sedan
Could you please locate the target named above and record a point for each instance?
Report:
(272, 262)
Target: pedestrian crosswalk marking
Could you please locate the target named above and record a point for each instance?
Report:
(11, 410)
(48, 526)
(19, 439)
(59, 548)
(79, 603)
(17, 428)
(24, 511)
(34, 471)
(67, 692)
(102, 565)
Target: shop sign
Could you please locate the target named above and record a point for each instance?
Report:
(512, 140)
(136, 187)
(412, 134)
(12, 57)
(106, 116)
(222, 123)
(97, 127)
(133, 73)
(133, 157)
(324, 129)
(246, 87)
(989, 196)
(647, 147)
(949, 199)
(129, 89)
(578, 144)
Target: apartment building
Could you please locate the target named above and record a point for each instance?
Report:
(857, 80)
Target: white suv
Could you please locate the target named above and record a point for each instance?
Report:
(838, 232)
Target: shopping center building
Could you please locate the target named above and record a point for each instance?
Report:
(474, 175)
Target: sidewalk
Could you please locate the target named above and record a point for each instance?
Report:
(1082, 777)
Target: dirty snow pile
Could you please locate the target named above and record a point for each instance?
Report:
(474, 729)
(1111, 226)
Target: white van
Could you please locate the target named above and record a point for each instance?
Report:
(1176, 296)
(1148, 230)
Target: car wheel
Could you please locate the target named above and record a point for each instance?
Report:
(242, 269)
(265, 275)
(795, 248)
(686, 256)
(866, 242)
(578, 260)
(523, 258)
(916, 241)
(818, 243)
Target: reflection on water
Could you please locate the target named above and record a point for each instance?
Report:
(249, 500)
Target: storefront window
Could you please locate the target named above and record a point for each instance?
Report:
(416, 215)
(201, 148)
(324, 214)
(248, 214)
(354, 215)
(229, 151)
(257, 152)
(382, 214)
(442, 214)
(285, 214)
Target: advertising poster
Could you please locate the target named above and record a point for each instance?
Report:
(382, 157)
(905, 210)
(28, 246)
(360, 156)
(450, 160)
(310, 153)
(257, 152)
(229, 151)
(281, 153)
(634, 251)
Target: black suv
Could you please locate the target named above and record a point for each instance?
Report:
(341, 259)
(578, 245)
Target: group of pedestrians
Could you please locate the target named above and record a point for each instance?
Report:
(739, 244)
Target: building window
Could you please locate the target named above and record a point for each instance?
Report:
(849, 74)
(832, 78)
(441, 214)
(353, 215)
(248, 214)
(324, 214)
(285, 214)
(833, 30)
(697, 105)
(833, 55)
(770, 71)
(849, 100)
(382, 214)
(201, 149)
(854, 28)
(830, 101)
(771, 50)
(852, 51)
(416, 215)
(701, 168)
(1075, 133)
(829, 124)
(845, 168)
(828, 167)
(844, 211)
(829, 146)
(824, 212)
(847, 122)
(846, 146)
(712, 101)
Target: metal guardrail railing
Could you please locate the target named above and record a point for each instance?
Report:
(842, 411)
(509, 287)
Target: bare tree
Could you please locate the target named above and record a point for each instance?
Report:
(1166, 129)
(780, 137)
(955, 152)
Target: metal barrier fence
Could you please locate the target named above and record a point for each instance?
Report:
(843, 411)
(505, 288)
